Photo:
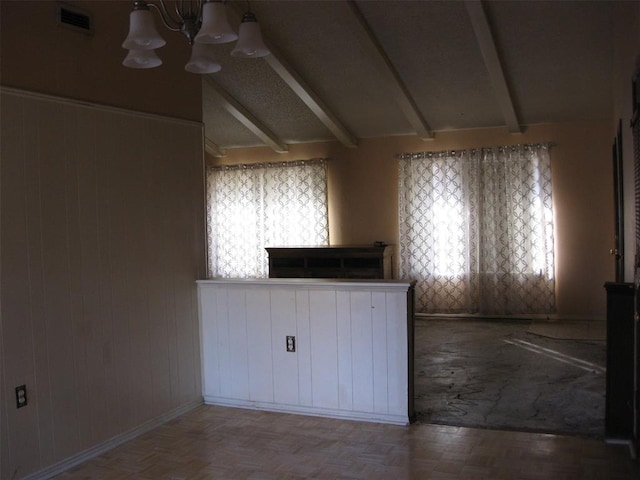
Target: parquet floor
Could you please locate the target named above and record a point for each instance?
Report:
(227, 443)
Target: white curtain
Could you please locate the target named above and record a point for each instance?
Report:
(250, 207)
(476, 230)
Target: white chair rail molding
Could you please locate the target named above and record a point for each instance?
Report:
(334, 348)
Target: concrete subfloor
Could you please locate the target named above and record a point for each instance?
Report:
(497, 374)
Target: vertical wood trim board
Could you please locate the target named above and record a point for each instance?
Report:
(352, 352)
(101, 239)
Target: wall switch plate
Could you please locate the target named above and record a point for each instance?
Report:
(291, 343)
(21, 396)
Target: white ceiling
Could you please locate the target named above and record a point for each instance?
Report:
(344, 71)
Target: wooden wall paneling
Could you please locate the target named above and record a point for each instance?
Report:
(187, 343)
(324, 348)
(184, 247)
(191, 260)
(6, 148)
(71, 161)
(362, 341)
(171, 228)
(116, 293)
(130, 212)
(71, 165)
(175, 238)
(351, 356)
(44, 385)
(303, 328)
(113, 281)
(188, 364)
(86, 255)
(378, 345)
(209, 336)
(345, 357)
(238, 382)
(157, 231)
(99, 304)
(57, 278)
(259, 342)
(41, 388)
(396, 307)
(178, 312)
(121, 335)
(104, 280)
(182, 350)
(148, 278)
(17, 324)
(285, 364)
(222, 340)
(85, 212)
(194, 260)
(159, 348)
(189, 257)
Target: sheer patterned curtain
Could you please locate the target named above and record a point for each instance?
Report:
(476, 230)
(250, 207)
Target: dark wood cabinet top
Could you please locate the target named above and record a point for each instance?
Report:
(331, 261)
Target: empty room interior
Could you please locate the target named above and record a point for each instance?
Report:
(319, 239)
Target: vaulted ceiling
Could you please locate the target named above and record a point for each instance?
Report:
(343, 70)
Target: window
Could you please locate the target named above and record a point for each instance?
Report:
(476, 230)
(250, 207)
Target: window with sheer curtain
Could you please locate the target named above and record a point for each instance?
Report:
(250, 207)
(476, 230)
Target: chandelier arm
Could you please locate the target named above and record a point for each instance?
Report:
(189, 12)
(166, 17)
(190, 7)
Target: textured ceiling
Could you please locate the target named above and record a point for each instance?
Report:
(379, 68)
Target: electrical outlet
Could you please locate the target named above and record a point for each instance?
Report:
(291, 343)
(21, 396)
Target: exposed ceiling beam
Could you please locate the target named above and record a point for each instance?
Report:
(303, 91)
(310, 99)
(246, 118)
(213, 149)
(393, 80)
(489, 51)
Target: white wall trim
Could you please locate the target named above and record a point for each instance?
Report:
(112, 443)
(95, 106)
(316, 283)
(311, 411)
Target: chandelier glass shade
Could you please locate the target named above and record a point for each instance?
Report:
(142, 59)
(250, 43)
(215, 25)
(202, 59)
(203, 22)
(142, 32)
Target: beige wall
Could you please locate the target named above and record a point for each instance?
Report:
(363, 196)
(41, 56)
(101, 237)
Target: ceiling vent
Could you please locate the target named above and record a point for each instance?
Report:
(75, 18)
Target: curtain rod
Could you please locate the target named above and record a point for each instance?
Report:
(289, 163)
(408, 155)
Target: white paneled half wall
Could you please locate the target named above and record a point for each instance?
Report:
(341, 349)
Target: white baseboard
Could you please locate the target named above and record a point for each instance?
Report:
(311, 411)
(113, 442)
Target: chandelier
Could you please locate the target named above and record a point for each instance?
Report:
(203, 22)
